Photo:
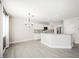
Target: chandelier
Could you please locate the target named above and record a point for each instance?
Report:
(28, 20)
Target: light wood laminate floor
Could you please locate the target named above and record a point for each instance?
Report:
(34, 49)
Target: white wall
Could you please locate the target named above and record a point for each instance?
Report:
(68, 27)
(71, 26)
(18, 30)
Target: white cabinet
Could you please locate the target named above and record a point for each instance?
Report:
(37, 36)
(56, 40)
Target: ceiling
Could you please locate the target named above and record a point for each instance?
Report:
(43, 10)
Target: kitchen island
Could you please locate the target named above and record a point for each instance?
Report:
(57, 40)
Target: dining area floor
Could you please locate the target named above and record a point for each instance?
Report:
(35, 49)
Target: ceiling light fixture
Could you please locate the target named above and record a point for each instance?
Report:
(28, 20)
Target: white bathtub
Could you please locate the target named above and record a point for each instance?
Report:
(56, 40)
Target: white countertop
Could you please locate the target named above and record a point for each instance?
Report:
(55, 34)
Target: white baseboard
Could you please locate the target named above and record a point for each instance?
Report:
(19, 41)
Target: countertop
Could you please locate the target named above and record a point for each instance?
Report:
(41, 31)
